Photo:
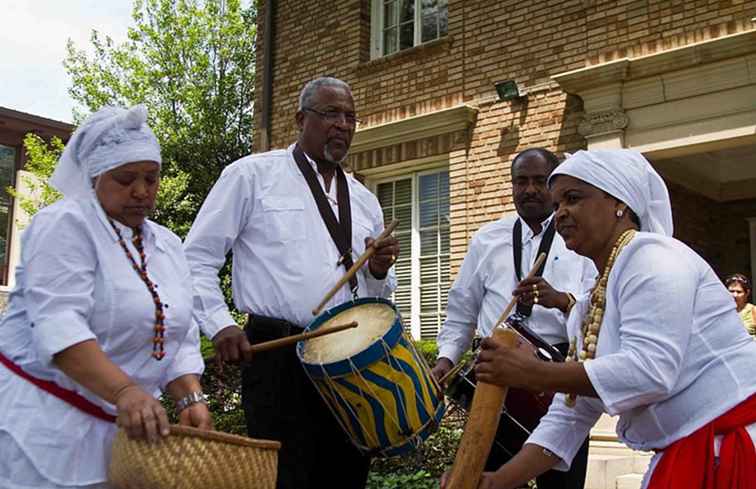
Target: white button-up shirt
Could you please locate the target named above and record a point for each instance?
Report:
(74, 283)
(672, 354)
(284, 260)
(486, 280)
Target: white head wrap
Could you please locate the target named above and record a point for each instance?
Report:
(109, 138)
(627, 176)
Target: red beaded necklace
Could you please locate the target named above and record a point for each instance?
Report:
(158, 341)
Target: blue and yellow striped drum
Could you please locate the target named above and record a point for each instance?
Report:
(377, 385)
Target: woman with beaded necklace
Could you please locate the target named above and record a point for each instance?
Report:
(657, 342)
(100, 319)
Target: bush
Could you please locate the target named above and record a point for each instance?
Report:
(426, 464)
(428, 349)
(419, 480)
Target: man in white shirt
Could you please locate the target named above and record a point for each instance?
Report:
(294, 222)
(500, 255)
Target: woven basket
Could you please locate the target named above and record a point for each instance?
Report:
(190, 458)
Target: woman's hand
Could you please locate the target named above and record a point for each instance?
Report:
(487, 480)
(196, 415)
(140, 415)
(509, 367)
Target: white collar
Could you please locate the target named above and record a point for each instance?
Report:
(527, 232)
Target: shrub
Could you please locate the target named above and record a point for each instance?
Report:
(418, 480)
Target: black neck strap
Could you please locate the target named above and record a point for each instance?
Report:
(341, 230)
(546, 240)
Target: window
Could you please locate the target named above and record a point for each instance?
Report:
(401, 24)
(421, 204)
(7, 179)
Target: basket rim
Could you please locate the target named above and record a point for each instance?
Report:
(220, 436)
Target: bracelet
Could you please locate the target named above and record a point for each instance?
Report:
(570, 302)
(190, 399)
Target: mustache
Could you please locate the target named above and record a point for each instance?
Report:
(525, 200)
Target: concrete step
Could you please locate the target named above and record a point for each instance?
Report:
(603, 470)
(629, 481)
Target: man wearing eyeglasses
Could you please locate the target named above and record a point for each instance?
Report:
(295, 222)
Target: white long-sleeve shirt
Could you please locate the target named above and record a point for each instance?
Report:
(672, 354)
(74, 283)
(486, 280)
(284, 260)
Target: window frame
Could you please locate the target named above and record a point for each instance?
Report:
(415, 279)
(376, 29)
(6, 272)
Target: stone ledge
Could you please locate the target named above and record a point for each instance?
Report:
(443, 121)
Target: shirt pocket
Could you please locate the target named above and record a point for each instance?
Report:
(284, 218)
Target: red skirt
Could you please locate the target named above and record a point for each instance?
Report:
(689, 463)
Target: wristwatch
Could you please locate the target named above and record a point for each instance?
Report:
(189, 399)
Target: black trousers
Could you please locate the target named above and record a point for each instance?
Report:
(552, 479)
(280, 403)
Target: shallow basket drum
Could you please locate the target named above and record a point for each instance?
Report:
(191, 458)
(372, 378)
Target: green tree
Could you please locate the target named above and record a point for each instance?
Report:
(41, 159)
(191, 62)
(42, 156)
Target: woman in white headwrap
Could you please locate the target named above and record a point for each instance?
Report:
(100, 319)
(658, 342)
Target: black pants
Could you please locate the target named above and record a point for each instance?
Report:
(552, 479)
(280, 403)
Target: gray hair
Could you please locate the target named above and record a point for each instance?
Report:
(309, 90)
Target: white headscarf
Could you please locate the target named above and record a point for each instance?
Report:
(627, 176)
(109, 138)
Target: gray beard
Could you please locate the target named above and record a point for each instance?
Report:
(329, 156)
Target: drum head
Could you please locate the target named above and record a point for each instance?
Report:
(375, 319)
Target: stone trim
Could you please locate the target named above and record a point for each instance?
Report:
(627, 69)
(444, 121)
(603, 122)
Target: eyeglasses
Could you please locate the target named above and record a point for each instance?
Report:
(334, 116)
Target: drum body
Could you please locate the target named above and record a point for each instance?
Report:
(520, 415)
(372, 378)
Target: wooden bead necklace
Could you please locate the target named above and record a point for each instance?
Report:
(592, 321)
(158, 341)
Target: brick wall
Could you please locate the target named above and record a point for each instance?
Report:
(488, 41)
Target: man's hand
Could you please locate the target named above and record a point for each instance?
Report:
(443, 365)
(386, 253)
(231, 345)
(536, 290)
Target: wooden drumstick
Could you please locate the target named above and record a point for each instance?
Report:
(289, 340)
(504, 315)
(485, 412)
(357, 264)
